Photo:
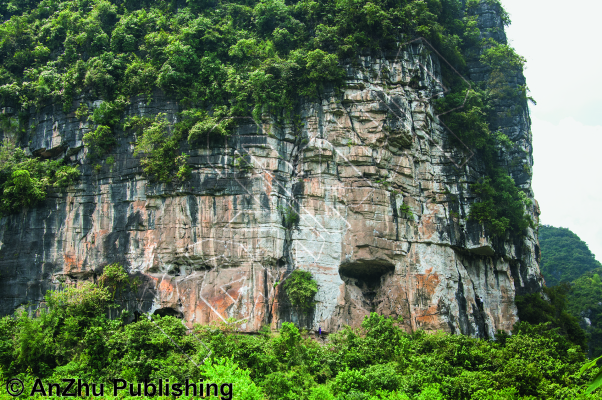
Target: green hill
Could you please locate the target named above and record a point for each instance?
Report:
(564, 256)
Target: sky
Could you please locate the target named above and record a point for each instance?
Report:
(561, 43)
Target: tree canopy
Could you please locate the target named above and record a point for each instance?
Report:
(564, 256)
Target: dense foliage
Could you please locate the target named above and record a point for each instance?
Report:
(222, 55)
(574, 287)
(71, 337)
(564, 256)
(226, 60)
(300, 289)
(584, 300)
(551, 307)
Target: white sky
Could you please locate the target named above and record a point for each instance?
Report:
(561, 42)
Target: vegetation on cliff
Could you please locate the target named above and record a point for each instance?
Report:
(71, 337)
(24, 181)
(300, 288)
(501, 205)
(228, 60)
(227, 56)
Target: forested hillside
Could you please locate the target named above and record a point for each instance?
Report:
(584, 301)
(564, 256)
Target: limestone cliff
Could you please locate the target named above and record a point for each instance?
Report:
(219, 246)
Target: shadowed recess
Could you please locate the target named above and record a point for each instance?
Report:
(368, 272)
(169, 311)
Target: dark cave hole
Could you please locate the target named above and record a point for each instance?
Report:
(169, 311)
(367, 276)
(367, 272)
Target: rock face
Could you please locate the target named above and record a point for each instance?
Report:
(369, 192)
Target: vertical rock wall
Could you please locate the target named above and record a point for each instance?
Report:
(380, 188)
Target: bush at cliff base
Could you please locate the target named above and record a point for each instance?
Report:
(223, 370)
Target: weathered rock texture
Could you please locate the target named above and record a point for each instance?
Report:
(216, 247)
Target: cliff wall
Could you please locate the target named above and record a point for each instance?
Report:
(324, 194)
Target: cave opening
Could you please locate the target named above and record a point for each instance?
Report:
(367, 276)
(169, 311)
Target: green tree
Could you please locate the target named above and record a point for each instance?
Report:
(301, 288)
